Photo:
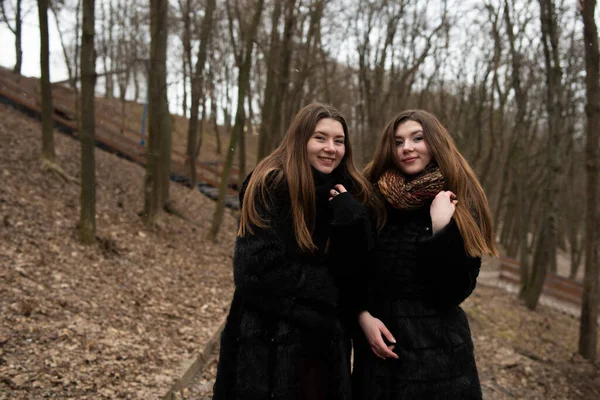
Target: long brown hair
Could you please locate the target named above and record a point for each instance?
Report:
(472, 214)
(289, 162)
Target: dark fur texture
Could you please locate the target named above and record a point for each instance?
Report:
(417, 282)
(284, 322)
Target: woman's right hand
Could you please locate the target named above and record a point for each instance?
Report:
(442, 209)
(373, 329)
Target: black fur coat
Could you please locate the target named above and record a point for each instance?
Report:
(416, 282)
(284, 337)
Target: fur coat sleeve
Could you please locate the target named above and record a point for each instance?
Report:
(452, 273)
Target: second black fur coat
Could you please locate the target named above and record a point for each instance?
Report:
(414, 284)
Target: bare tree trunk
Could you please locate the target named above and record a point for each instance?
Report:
(519, 168)
(185, 82)
(201, 127)
(545, 254)
(281, 91)
(249, 130)
(304, 70)
(110, 91)
(47, 122)
(159, 120)
(591, 288)
(227, 101)
(87, 216)
(213, 110)
(17, 31)
(18, 39)
(265, 135)
(186, 41)
(136, 86)
(104, 44)
(197, 90)
(577, 250)
(243, 82)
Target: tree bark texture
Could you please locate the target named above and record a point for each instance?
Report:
(159, 120)
(87, 216)
(591, 287)
(197, 91)
(265, 135)
(545, 254)
(18, 39)
(48, 153)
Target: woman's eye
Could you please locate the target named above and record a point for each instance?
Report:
(398, 143)
(340, 141)
(319, 138)
(418, 138)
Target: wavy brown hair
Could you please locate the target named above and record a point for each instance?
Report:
(472, 214)
(289, 163)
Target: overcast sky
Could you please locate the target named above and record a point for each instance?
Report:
(58, 72)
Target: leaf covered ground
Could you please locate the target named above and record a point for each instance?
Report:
(118, 319)
(114, 320)
(520, 354)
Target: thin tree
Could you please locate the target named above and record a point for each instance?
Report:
(197, 89)
(591, 290)
(265, 135)
(545, 253)
(517, 169)
(158, 155)
(87, 216)
(214, 108)
(244, 61)
(17, 31)
(48, 154)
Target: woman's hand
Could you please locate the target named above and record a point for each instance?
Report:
(337, 189)
(442, 209)
(373, 328)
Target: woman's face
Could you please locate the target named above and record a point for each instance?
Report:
(411, 149)
(326, 147)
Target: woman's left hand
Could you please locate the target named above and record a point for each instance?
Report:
(337, 189)
(442, 209)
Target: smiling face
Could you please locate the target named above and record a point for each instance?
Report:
(326, 147)
(411, 149)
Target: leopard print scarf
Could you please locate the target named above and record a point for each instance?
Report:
(414, 193)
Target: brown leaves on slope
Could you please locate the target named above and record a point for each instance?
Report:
(527, 355)
(110, 321)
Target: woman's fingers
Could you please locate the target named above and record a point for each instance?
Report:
(337, 189)
(448, 194)
(387, 352)
(340, 188)
(381, 350)
(374, 329)
(386, 333)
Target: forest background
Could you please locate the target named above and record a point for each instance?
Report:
(515, 82)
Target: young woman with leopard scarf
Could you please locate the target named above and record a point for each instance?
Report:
(434, 225)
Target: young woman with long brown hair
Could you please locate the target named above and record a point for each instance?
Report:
(284, 337)
(434, 225)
